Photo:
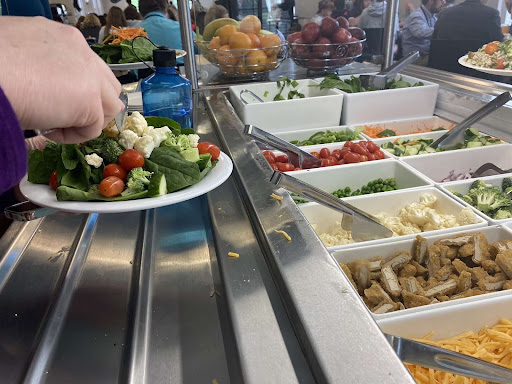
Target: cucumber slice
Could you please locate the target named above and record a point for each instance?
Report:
(474, 144)
(411, 151)
(430, 150)
(470, 133)
(157, 186)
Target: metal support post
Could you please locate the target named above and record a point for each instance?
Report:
(389, 32)
(187, 42)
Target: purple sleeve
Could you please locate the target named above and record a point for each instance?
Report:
(13, 153)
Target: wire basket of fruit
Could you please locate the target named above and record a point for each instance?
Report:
(326, 47)
(241, 49)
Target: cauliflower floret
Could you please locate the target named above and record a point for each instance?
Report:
(158, 135)
(337, 236)
(94, 160)
(136, 123)
(144, 145)
(466, 216)
(194, 140)
(127, 139)
(428, 200)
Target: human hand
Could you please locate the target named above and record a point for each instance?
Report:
(54, 80)
(36, 142)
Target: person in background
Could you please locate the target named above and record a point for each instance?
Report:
(193, 20)
(103, 19)
(115, 19)
(448, 4)
(355, 12)
(26, 8)
(231, 6)
(374, 16)
(215, 12)
(133, 17)
(470, 20)
(418, 29)
(172, 12)
(288, 6)
(340, 10)
(91, 27)
(200, 15)
(79, 22)
(325, 9)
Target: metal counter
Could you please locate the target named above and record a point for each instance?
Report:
(152, 297)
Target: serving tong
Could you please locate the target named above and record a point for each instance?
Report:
(489, 169)
(380, 80)
(456, 134)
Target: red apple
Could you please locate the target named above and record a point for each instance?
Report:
(324, 50)
(358, 33)
(341, 36)
(310, 32)
(356, 48)
(293, 36)
(328, 26)
(315, 63)
(298, 48)
(342, 22)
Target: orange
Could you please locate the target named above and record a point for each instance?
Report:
(271, 62)
(225, 32)
(215, 43)
(255, 40)
(225, 57)
(250, 24)
(227, 69)
(271, 41)
(256, 61)
(240, 40)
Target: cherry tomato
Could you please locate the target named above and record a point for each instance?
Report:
(333, 158)
(273, 166)
(360, 150)
(363, 143)
(337, 154)
(325, 153)
(343, 152)
(372, 147)
(316, 154)
(363, 158)
(372, 157)
(130, 159)
(500, 64)
(281, 159)
(379, 154)
(491, 48)
(212, 149)
(271, 159)
(53, 182)
(285, 167)
(329, 162)
(298, 169)
(111, 186)
(347, 144)
(115, 170)
(341, 162)
(351, 158)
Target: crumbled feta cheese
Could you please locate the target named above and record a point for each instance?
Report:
(136, 123)
(127, 139)
(144, 145)
(94, 160)
(194, 140)
(158, 135)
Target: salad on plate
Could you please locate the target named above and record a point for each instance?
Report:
(494, 55)
(150, 157)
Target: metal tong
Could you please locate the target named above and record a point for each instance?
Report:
(380, 80)
(456, 134)
(414, 352)
(244, 91)
(296, 156)
(362, 226)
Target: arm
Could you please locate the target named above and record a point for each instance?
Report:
(47, 9)
(419, 27)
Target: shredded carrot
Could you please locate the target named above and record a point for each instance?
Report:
(374, 130)
(120, 34)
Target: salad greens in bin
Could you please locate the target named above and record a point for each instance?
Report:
(353, 84)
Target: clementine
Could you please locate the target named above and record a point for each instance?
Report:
(225, 57)
(225, 32)
(271, 41)
(250, 24)
(239, 40)
(255, 40)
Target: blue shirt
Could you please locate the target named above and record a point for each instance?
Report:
(418, 30)
(163, 31)
(26, 8)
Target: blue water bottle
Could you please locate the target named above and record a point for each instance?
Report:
(165, 93)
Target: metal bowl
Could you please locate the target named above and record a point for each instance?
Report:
(325, 57)
(244, 62)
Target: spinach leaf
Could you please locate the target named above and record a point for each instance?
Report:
(41, 164)
(70, 194)
(69, 156)
(179, 173)
(159, 122)
(76, 170)
(142, 47)
(111, 54)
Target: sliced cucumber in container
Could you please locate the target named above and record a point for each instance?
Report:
(157, 186)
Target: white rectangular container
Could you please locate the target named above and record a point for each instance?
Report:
(355, 176)
(464, 186)
(390, 202)
(320, 107)
(305, 134)
(407, 127)
(367, 252)
(390, 104)
(437, 166)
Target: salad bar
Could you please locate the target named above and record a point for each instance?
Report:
(246, 280)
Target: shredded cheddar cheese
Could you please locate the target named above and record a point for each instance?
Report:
(490, 344)
(233, 254)
(285, 235)
(277, 197)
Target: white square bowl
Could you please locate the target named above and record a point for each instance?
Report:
(390, 104)
(305, 134)
(390, 202)
(355, 176)
(464, 186)
(437, 166)
(410, 126)
(367, 252)
(319, 108)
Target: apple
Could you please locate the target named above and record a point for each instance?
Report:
(358, 33)
(325, 51)
(315, 63)
(356, 48)
(310, 32)
(328, 26)
(342, 22)
(341, 36)
(298, 48)
(293, 37)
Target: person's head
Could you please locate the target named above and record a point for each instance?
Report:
(146, 6)
(215, 12)
(115, 18)
(360, 5)
(325, 8)
(79, 22)
(434, 6)
(131, 13)
(172, 12)
(339, 4)
(90, 21)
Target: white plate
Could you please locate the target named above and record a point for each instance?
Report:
(45, 196)
(492, 71)
(140, 64)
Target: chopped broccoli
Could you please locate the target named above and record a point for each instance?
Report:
(478, 184)
(459, 195)
(506, 183)
(108, 149)
(487, 199)
(501, 214)
(178, 143)
(469, 199)
(500, 201)
(507, 191)
(138, 180)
